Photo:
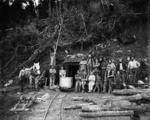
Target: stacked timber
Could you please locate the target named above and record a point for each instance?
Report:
(132, 98)
(124, 105)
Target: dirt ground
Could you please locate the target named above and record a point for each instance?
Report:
(38, 110)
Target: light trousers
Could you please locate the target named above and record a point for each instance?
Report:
(91, 85)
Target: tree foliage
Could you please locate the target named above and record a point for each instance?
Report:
(27, 27)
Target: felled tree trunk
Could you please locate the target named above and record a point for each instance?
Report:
(106, 114)
(132, 98)
(108, 105)
(84, 99)
(96, 108)
(137, 97)
(78, 106)
(130, 91)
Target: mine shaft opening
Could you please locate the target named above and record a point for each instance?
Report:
(72, 71)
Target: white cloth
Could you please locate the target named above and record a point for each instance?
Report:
(92, 78)
(52, 60)
(62, 73)
(133, 64)
(121, 66)
(113, 66)
(52, 71)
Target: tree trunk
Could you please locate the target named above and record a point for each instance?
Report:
(96, 108)
(78, 106)
(84, 99)
(106, 114)
(130, 91)
(116, 99)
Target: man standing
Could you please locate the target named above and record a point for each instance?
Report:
(103, 67)
(62, 72)
(98, 83)
(128, 77)
(143, 69)
(52, 72)
(113, 66)
(109, 78)
(96, 65)
(118, 80)
(89, 64)
(83, 64)
(78, 78)
(121, 67)
(133, 67)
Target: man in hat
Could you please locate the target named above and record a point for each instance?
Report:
(133, 66)
(121, 67)
(83, 64)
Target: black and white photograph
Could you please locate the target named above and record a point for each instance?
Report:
(74, 59)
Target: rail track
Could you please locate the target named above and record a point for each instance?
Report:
(55, 110)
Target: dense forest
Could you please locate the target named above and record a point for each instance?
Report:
(29, 27)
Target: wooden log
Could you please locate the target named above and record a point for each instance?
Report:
(109, 118)
(106, 114)
(118, 99)
(78, 106)
(130, 91)
(133, 98)
(95, 108)
(108, 106)
(84, 99)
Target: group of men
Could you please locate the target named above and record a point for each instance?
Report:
(104, 75)
(50, 75)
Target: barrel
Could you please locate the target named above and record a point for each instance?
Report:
(66, 82)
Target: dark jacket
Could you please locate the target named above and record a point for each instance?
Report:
(78, 76)
(118, 66)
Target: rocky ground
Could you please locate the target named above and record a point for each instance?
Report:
(37, 111)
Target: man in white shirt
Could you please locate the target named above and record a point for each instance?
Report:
(91, 81)
(62, 72)
(113, 66)
(133, 66)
